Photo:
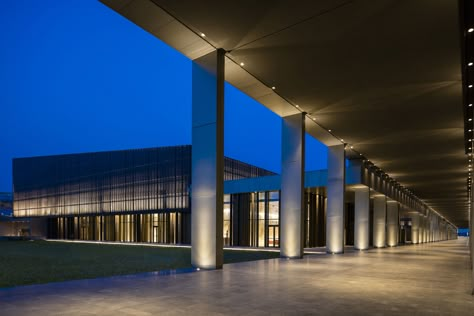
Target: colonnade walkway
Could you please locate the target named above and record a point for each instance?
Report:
(426, 279)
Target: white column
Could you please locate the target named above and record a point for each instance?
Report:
(392, 223)
(361, 218)
(415, 222)
(471, 241)
(380, 217)
(207, 161)
(292, 186)
(335, 195)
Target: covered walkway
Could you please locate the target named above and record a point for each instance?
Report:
(425, 279)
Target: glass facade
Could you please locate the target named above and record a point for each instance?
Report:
(143, 195)
(140, 195)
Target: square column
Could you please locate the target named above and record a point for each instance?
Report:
(421, 230)
(380, 217)
(207, 197)
(292, 186)
(335, 194)
(471, 241)
(361, 218)
(415, 227)
(392, 223)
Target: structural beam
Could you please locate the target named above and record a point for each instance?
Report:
(335, 199)
(292, 185)
(207, 161)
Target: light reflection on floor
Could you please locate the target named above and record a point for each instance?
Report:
(422, 280)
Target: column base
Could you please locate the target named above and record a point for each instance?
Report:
(291, 258)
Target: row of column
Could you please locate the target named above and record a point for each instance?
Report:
(208, 181)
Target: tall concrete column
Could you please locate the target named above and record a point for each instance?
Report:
(420, 228)
(427, 230)
(292, 186)
(335, 204)
(361, 218)
(380, 218)
(415, 228)
(207, 161)
(471, 241)
(423, 232)
(392, 223)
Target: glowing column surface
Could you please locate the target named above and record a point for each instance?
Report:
(420, 228)
(335, 199)
(361, 218)
(380, 217)
(415, 222)
(471, 241)
(207, 161)
(392, 223)
(292, 186)
(425, 229)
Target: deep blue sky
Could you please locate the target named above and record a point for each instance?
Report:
(77, 77)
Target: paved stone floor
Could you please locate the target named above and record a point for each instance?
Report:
(429, 279)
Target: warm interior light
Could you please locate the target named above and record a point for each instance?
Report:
(297, 105)
(470, 64)
(470, 30)
(469, 86)
(470, 119)
(273, 88)
(470, 104)
(203, 35)
(329, 130)
(242, 64)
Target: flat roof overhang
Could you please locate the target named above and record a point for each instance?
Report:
(383, 76)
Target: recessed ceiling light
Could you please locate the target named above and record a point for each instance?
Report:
(470, 30)
(342, 140)
(470, 130)
(242, 64)
(470, 64)
(297, 105)
(329, 131)
(469, 86)
(469, 140)
(352, 147)
(470, 119)
(273, 88)
(203, 35)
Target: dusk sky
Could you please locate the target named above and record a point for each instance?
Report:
(77, 77)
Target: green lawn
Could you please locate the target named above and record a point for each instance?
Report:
(32, 262)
